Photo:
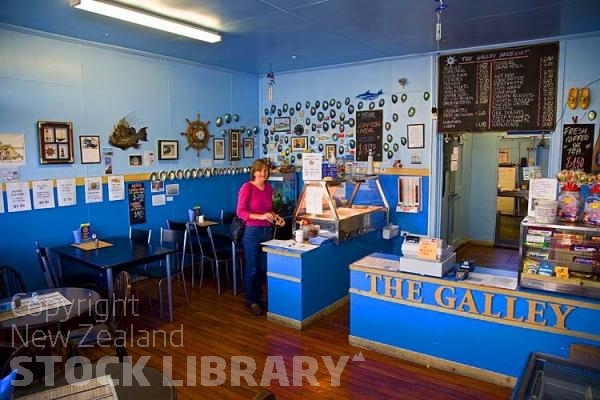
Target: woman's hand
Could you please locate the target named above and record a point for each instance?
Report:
(269, 216)
(279, 221)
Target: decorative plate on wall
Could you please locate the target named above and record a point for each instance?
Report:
(411, 112)
(325, 105)
(394, 99)
(325, 126)
(332, 113)
(350, 109)
(352, 144)
(381, 102)
(317, 104)
(360, 105)
(298, 106)
(372, 105)
(285, 107)
(403, 98)
(425, 96)
(236, 117)
(389, 138)
(219, 121)
(338, 104)
(388, 126)
(273, 108)
(347, 100)
(227, 118)
(395, 117)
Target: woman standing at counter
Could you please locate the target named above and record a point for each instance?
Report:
(255, 206)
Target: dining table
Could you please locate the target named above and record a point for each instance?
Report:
(56, 305)
(117, 253)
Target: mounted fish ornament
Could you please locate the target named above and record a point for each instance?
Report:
(124, 136)
(369, 96)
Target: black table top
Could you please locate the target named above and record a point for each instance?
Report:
(123, 253)
(83, 301)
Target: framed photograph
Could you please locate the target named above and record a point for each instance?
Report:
(56, 142)
(135, 160)
(12, 149)
(248, 147)
(282, 124)
(168, 149)
(89, 147)
(234, 144)
(330, 151)
(415, 136)
(219, 149)
(299, 143)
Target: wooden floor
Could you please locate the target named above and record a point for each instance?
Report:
(488, 256)
(221, 326)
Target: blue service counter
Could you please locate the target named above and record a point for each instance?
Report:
(306, 282)
(484, 332)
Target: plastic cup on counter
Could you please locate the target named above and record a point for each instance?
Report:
(299, 235)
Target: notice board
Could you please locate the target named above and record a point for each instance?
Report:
(510, 89)
(369, 133)
(577, 147)
(137, 203)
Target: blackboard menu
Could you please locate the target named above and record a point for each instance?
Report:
(511, 89)
(577, 147)
(369, 133)
(137, 203)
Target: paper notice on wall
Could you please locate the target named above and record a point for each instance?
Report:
(116, 188)
(541, 189)
(66, 192)
(1, 200)
(159, 199)
(93, 189)
(17, 196)
(311, 166)
(43, 194)
(314, 200)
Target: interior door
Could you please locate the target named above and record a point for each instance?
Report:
(456, 170)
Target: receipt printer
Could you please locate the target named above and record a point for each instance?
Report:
(464, 268)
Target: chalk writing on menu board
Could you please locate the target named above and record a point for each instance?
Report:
(137, 203)
(511, 89)
(577, 147)
(369, 132)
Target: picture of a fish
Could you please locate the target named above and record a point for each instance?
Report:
(368, 95)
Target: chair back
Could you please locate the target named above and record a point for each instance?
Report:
(140, 235)
(11, 282)
(120, 300)
(176, 239)
(227, 217)
(47, 266)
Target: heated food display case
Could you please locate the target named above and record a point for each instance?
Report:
(343, 208)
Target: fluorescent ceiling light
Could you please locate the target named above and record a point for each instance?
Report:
(137, 17)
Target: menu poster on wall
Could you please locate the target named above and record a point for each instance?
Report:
(509, 89)
(43, 194)
(66, 190)
(116, 188)
(17, 196)
(369, 132)
(93, 189)
(137, 203)
(577, 147)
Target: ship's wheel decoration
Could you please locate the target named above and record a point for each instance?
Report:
(197, 134)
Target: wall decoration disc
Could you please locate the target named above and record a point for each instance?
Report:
(276, 138)
(333, 124)
(249, 131)
(411, 111)
(292, 111)
(394, 99)
(162, 175)
(332, 113)
(255, 129)
(286, 139)
(298, 129)
(320, 116)
(381, 102)
(389, 138)
(403, 98)
(347, 100)
(288, 151)
(279, 112)
(360, 105)
(386, 147)
(313, 127)
(187, 174)
(338, 104)
(317, 104)
(351, 122)
(388, 126)
(266, 111)
(342, 116)
(267, 140)
(342, 128)
(227, 118)
(334, 137)
(307, 121)
(325, 105)
(266, 132)
(340, 150)
(312, 140)
(425, 96)
(325, 126)
(307, 104)
(273, 108)
(395, 117)
(265, 150)
(396, 146)
(298, 106)
(219, 121)
(352, 144)
(292, 159)
(313, 111)
(171, 175)
(236, 117)
(350, 109)
(403, 141)
(279, 148)
(320, 146)
(242, 128)
(223, 132)
(194, 173)
(269, 121)
(372, 105)
(197, 134)
(390, 154)
(299, 156)
(332, 102)
(153, 176)
(591, 115)
(285, 107)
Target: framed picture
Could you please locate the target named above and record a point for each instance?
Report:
(330, 151)
(218, 149)
(90, 149)
(135, 160)
(299, 143)
(234, 144)
(168, 149)
(56, 142)
(248, 147)
(282, 124)
(415, 136)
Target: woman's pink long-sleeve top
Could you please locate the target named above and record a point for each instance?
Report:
(253, 200)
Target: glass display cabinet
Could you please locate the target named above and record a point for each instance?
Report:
(285, 193)
(343, 208)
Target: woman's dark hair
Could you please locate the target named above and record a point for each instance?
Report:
(259, 165)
